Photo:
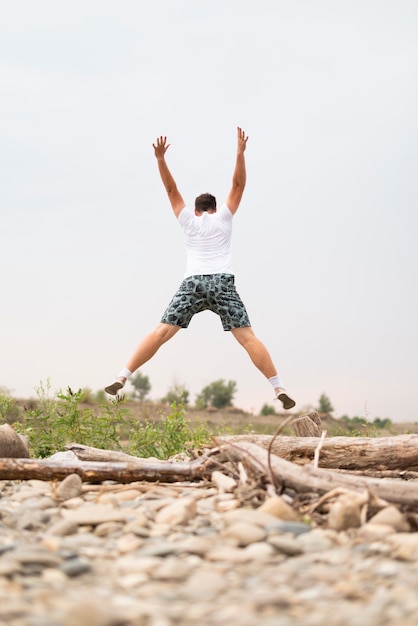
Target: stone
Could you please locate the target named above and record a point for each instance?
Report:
(9, 566)
(260, 551)
(227, 505)
(62, 528)
(75, 567)
(251, 516)
(404, 546)
(204, 585)
(344, 513)
(172, 568)
(128, 543)
(11, 444)
(227, 553)
(391, 516)
(244, 533)
(178, 512)
(36, 556)
(277, 507)
(70, 487)
(94, 514)
(315, 541)
(286, 544)
(374, 532)
(224, 483)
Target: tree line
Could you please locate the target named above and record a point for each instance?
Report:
(218, 394)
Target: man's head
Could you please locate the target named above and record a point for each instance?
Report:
(205, 202)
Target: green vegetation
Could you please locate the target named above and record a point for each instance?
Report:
(141, 384)
(325, 405)
(147, 429)
(172, 435)
(177, 393)
(65, 418)
(57, 421)
(218, 394)
(267, 409)
(10, 411)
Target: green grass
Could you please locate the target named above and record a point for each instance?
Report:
(63, 419)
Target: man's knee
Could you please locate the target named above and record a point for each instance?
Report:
(163, 332)
(243, 335)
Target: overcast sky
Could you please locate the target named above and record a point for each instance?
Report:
(325, 240)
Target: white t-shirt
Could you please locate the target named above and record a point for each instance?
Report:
(208, 241)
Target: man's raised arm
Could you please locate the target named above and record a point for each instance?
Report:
(240, 176)
(175, 197)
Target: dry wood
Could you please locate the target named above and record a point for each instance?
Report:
(310, 479)
(12, 445)
(89, 471)
(353, 453)
(319, 448)
(88, 453)
(307, 425)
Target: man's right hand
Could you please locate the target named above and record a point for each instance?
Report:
(176, 200)
(242, 140)
(161, 148)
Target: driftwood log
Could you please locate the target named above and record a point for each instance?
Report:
(307, 478)
(12, 445)
(307, 425)
(98, 471)
(350, 453)
(88, 453)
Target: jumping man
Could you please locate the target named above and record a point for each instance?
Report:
(208, 282)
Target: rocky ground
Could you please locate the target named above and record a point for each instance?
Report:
(144, 554)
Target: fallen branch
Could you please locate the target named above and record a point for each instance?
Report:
(319, 448)
(310, 479)
(90, 471)
(353, 453)
(88, 453)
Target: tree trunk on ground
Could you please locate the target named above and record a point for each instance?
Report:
(310, 479)
(153, 471)
(352, 453)
(307, 425)
(88, 453)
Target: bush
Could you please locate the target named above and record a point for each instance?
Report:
(57, 421)
(178, 394)
(267, 409)
(10, 411)
(218, 394)
(171, 435)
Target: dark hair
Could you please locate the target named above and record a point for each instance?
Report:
(204, 202)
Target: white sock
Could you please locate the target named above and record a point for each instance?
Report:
(276, 383)
(125, 373)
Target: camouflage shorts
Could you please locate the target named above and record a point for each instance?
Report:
(207, 292)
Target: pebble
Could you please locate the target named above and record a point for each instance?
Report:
(187, 554)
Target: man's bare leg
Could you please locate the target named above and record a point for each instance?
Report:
(261, 358)
(144, 352)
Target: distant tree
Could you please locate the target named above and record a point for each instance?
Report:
(382, 423)
(176, 393)
(100, 396)
(88, 396)
(218, 394)
(267, 409)
(10, 411)
(357, 420)
(141, 385)
(325, 405)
